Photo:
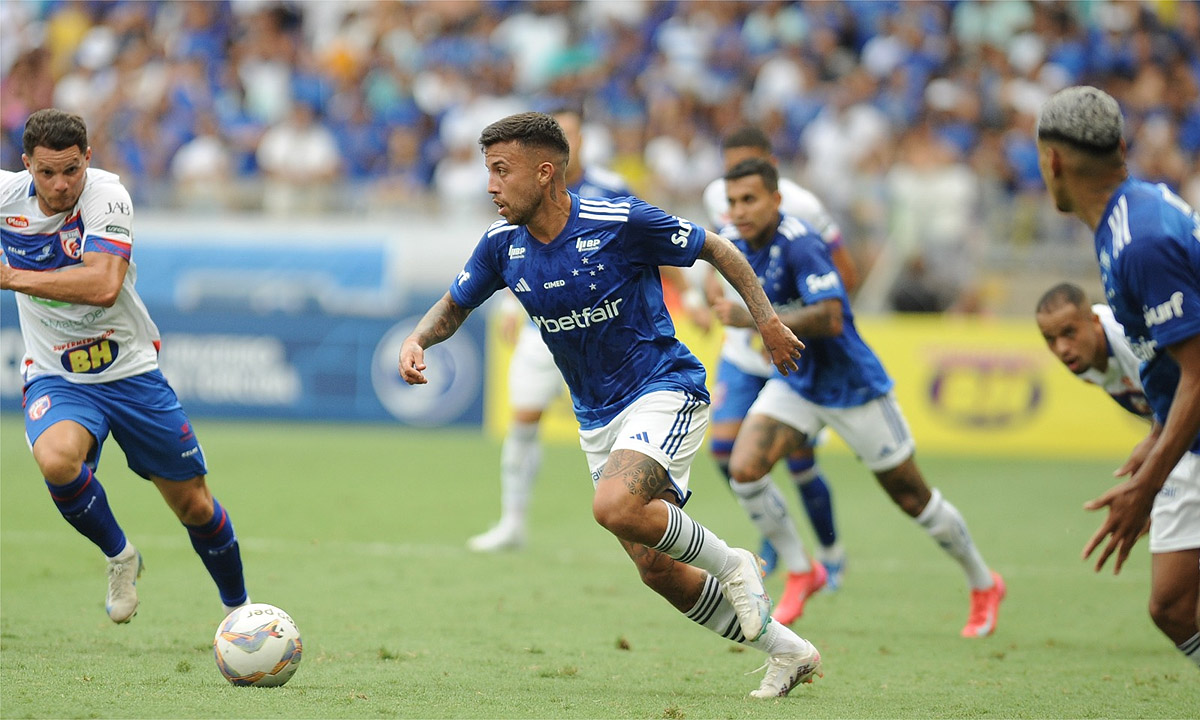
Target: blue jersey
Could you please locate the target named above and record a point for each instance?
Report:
(796, 267)
(1148, 245)
(595, 295)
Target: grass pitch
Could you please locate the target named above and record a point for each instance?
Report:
(358, 532)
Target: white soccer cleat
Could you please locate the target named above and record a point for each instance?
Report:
(788, 670)
(230, 608)
(743, 588)
(502, 537)
(123, 572)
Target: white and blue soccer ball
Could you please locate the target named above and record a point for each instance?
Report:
(257, 644)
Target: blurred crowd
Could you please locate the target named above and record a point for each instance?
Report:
(912, 120)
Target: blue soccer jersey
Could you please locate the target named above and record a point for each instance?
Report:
(1148, 246)
(595, 295)
(796, 267)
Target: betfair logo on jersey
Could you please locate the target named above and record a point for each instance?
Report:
(1143, 349)
(92, 357)
(581, 318)
(818, 283)
(1163, 312)
(583, 245)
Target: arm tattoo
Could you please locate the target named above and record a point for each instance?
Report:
(442, 320)
(730, 262)
(640, 474)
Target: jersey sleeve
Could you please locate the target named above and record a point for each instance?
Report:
(107, 214)
(479, 278)
(1163, 275)
(652, 237)
(816, 277)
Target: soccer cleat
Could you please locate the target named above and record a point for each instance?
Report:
(770, 558)
(230, 608)
(786, 671)
(798, 589)
(743, 588)
(501, 537)
(123, 572)
(834, 571)
(985, 606)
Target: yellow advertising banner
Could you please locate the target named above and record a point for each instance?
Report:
(967, 385)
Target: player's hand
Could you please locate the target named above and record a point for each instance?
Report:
(412, 362)
(1129, 506)
(732, 314)
(782, 344)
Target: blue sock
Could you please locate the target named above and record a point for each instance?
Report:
(721, 450)
(83, 503)
(218, 549)
(818, 503)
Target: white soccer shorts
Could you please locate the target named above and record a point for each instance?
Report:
(1175, 517)
(533, 379)
(667, 426)
(876, 430)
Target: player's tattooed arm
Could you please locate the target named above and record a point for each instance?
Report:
(780, 342)
(442, 320)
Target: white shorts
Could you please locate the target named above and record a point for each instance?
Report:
(1175, 517)
(666, 426)
(533, 379)
(876, 430)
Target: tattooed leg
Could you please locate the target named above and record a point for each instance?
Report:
(761, 442)
(623, 503)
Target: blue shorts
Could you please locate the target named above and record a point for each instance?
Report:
(735, 392)
(142, 413)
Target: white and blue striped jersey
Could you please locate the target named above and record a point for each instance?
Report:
(82, 343)
(596, 296)
(796, 267)
(1148, 247)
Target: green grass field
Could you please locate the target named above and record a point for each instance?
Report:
(358, 532)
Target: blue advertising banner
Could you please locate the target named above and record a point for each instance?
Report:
(304, 324)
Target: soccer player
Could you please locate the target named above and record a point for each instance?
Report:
(840, 383)
(1091, 343)
(1147, 243)
(533, 380)
(91, 364)
(742, 371)
(587, 273)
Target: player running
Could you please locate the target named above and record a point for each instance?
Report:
(587, 273)
(91, 364)
(840, 383)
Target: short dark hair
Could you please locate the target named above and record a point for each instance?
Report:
(54, 129)
(756, 166)
(531, 129)
(748, 136)
(1062, 294)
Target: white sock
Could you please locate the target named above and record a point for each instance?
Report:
(767, 509)
(126, 552)
(714, 612)
(520, 459)
(690, 542)
(945, 525)
(1191, 648)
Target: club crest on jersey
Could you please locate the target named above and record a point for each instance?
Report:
(38, 408)
(69, 239)
(17, 221)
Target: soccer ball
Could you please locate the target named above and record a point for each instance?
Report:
(257, 644)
